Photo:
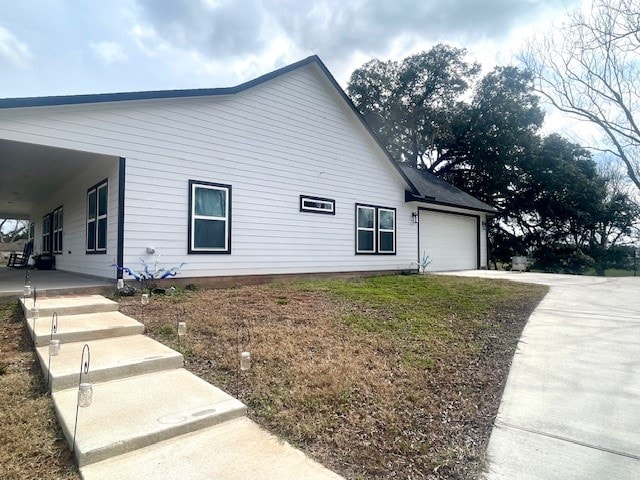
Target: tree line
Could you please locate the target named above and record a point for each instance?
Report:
(434, 111)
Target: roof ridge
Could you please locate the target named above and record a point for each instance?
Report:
(58, 100)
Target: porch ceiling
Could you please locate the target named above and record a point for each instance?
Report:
(30, 174)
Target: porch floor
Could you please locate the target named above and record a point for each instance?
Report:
(51, 282)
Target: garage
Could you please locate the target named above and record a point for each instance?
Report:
(451, 240)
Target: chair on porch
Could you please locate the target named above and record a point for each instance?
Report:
(19, 260)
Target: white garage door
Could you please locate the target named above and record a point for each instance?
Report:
(451, 241)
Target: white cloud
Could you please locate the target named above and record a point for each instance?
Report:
(110, 52)
(14, 50)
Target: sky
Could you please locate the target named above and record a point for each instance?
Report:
(58, 47)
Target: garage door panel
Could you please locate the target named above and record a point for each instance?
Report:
(450, 240)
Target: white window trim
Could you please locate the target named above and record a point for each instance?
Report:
(104, 184)
(365, 229)
(226, 219)
(306, 200)
(386, 230)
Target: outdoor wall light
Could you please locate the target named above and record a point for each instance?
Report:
(415, 217)
(245, 361)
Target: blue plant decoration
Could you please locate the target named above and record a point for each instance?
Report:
(148, 275)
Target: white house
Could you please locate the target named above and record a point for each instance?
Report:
(279, 175)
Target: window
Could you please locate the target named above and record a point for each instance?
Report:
(46, 233)
(317, 205)
(209, 217)
(57, 230)
(375, 230)
(97, 198)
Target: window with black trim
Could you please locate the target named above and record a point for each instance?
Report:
(317, 205)
(209, 217)
(57, 230)
(375, 230)
(46, 233)
(97, 201)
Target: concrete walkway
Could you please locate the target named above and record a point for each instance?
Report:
(570, 409)
(149, 418)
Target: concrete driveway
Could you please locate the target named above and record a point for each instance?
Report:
(571, 406)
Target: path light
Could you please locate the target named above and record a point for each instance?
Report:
(243, 339)
(245, 361)
(54, 345)
(120, 284)
(34, 314)
(85, 389)
(182, 331)
(144, 301)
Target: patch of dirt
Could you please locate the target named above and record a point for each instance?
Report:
(351, 399)
(31, 443)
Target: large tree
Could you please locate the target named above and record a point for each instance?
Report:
(589, 67)
(411, 103)
(493, 138)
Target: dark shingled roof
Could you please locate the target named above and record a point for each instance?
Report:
(432, 189)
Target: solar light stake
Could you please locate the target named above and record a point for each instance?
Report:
(182, 331)
(34, 314)
(243, 339)
(54, 345)
(85, 389)
(144, 301)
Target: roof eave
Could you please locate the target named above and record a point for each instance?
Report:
(410, 197)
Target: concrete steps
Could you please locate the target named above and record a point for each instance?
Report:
(68, 305)
(111, 359)
(237, 449)
(149, 418)
(135, 412)
(84, 327)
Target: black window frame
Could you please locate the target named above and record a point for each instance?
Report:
(191, 247)
(57, 228)
(93, 230)
(375, 230)
(47, 224)
(309, 209)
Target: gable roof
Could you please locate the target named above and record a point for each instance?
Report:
(432, 189)
(49, 101)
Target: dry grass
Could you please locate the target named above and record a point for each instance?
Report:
(31, 443)
(389, 377)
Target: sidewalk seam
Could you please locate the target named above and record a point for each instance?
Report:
(500, 423)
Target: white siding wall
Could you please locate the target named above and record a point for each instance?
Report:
(287, 137)
(73, 198)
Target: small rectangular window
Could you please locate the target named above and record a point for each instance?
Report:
(209, 217)
(97, 208)
(375, 230)
(317, 205)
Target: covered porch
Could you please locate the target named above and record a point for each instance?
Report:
(51, 282)
(74, 199)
